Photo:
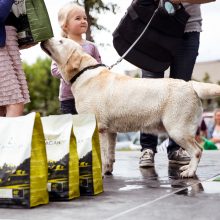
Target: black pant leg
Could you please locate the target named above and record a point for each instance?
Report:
(172, 146)
(183, 64)
(148, 141)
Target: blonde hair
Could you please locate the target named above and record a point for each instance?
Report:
(63, 15)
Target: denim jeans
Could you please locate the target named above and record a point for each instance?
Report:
(180, 68)
(68, 106)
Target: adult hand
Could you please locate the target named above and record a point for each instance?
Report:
(26, 46)
(176, 1)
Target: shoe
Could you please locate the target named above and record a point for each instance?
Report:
(149, 173)
(147, 158)
(174, 171)
(179, 157)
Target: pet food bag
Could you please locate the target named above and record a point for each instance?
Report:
(63, 163)
(88, 147)
(32, 23)
(23, 162)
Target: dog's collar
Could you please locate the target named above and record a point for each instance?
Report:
(83, 70)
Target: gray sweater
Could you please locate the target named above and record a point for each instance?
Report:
(195, 21)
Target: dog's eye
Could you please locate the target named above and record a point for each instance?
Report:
(61, 41)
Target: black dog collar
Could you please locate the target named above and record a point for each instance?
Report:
(83, 70)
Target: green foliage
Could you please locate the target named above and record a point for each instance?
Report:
(43, 87)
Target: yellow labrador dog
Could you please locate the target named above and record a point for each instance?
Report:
(122, 103)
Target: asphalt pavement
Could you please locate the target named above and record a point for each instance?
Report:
(133, 193)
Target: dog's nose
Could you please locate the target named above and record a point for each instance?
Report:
(42, 43)
(44, 48)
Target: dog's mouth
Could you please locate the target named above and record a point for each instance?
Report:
(43, 47)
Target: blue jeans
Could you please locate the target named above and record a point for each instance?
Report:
(180, 68)
(68, 106)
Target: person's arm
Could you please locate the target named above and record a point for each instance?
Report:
(215, 140)
(192, 1)
(5, 7)
(96, 54)
(55, 71)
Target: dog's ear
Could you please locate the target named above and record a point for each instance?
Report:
(75, 60)
(72, 66)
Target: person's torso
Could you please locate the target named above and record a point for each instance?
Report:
(91, 49)
(195, 21)
(216, 133)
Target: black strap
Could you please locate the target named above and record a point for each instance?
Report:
(83, 70)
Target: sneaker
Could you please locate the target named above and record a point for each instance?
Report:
(174, 171)
(179, 157)
(147, 158)
(149, 173)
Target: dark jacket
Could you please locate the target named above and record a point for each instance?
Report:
(5, 7)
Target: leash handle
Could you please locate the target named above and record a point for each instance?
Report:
(135, 42)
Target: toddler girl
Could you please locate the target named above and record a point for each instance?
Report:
(73, 22)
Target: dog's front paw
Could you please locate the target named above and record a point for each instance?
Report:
(186, 167)
(108, 173)
(108, 169)
(187, 172)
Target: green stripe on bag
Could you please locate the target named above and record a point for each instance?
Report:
(97, 163)
(38, 174)
(73, 169)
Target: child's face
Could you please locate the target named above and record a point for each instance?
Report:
(77, 23)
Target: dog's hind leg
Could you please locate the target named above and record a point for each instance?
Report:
(195, 151)
(195, 158)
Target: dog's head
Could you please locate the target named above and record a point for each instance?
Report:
(68, 55)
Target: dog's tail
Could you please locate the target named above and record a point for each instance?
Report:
(206, 90)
